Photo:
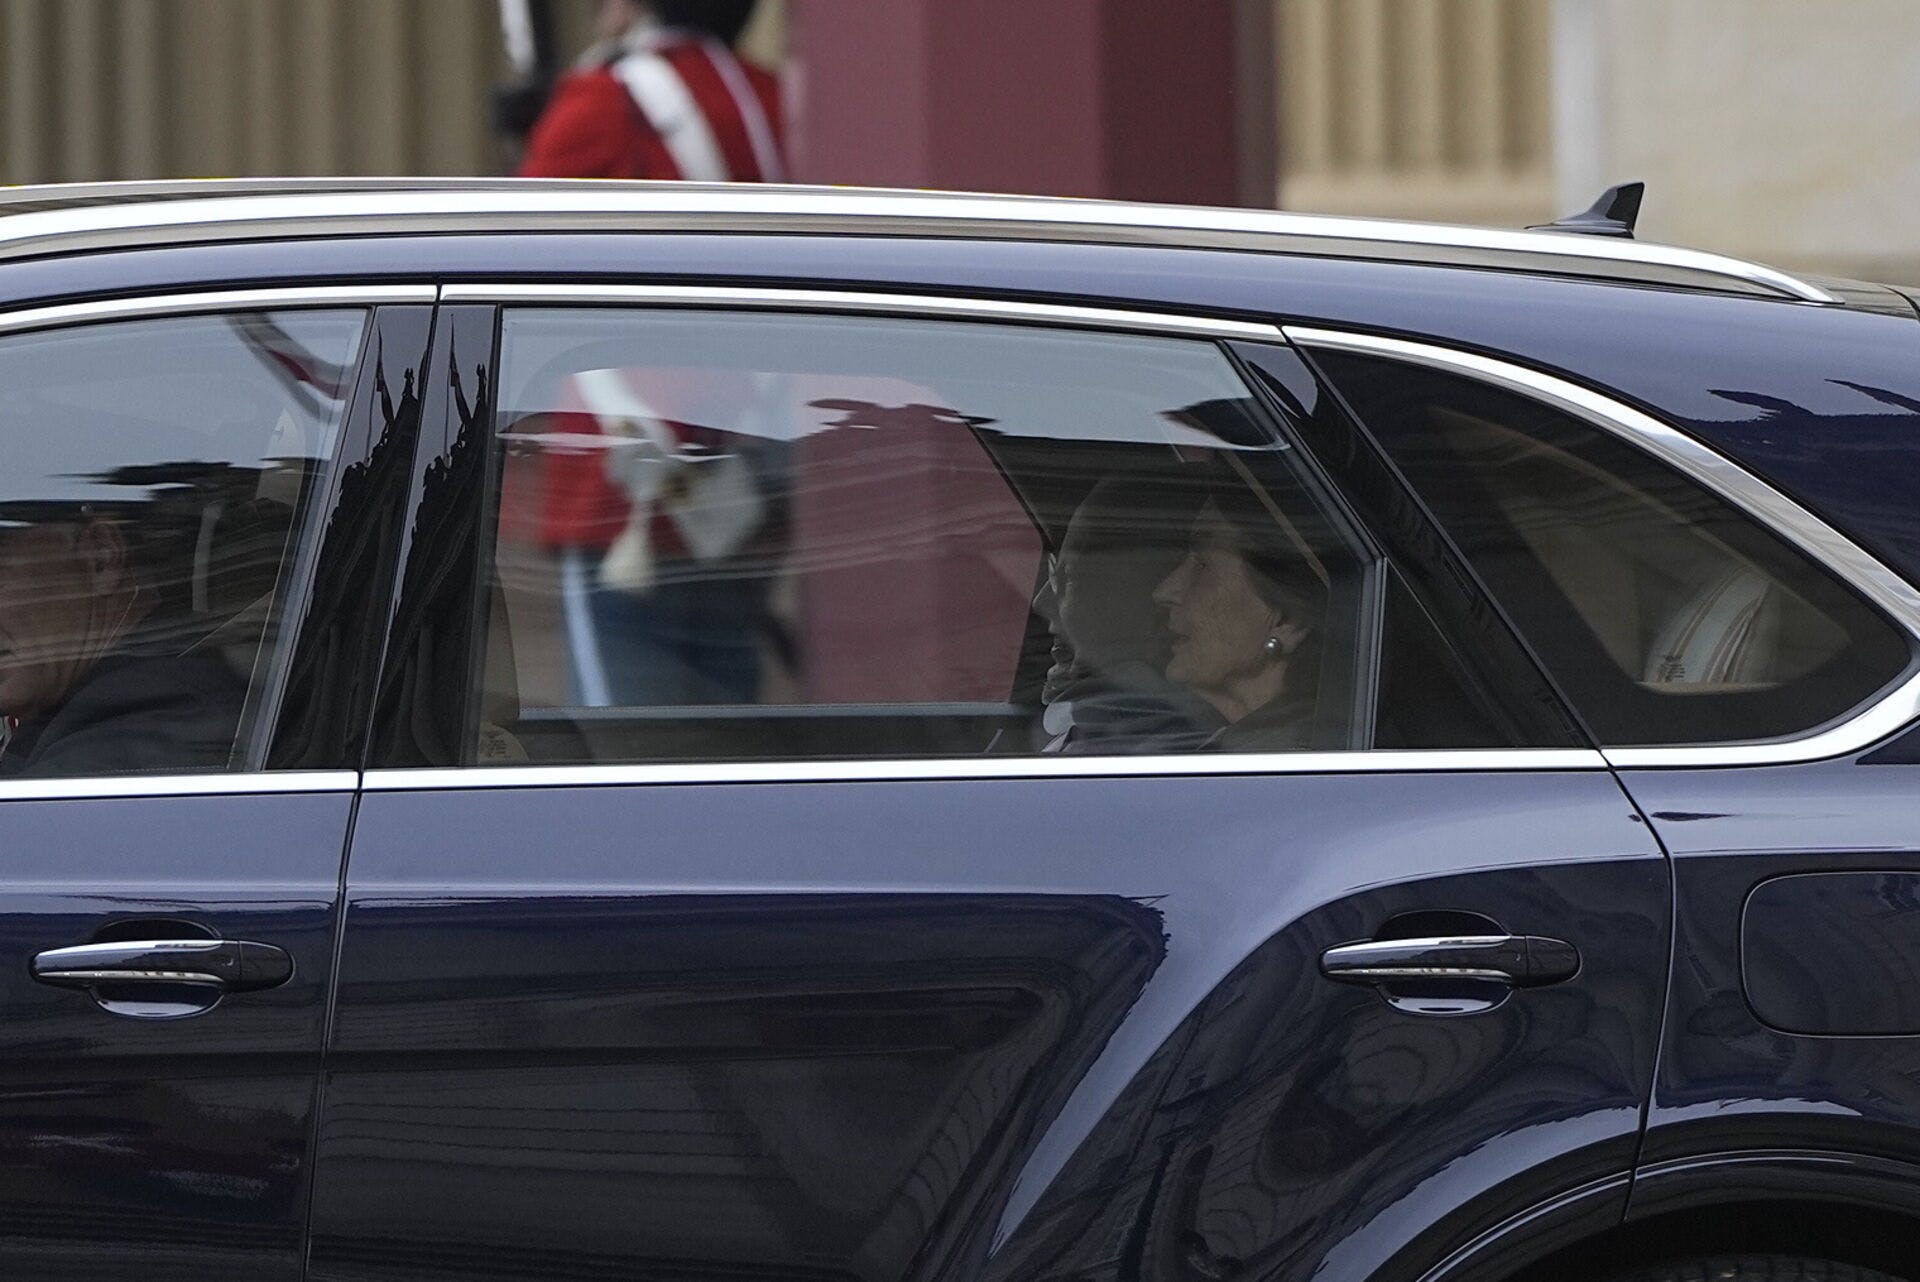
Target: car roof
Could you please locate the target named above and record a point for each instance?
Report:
(40, 221)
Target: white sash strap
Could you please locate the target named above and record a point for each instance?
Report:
(663, 98)
(766, 152)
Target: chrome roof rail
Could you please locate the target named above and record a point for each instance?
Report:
(48, 220)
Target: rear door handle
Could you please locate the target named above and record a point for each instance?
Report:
(1522, 961)
(231, 966)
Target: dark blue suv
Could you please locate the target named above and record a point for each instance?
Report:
(691, 733)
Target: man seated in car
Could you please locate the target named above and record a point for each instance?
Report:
(1105, 692)
(98, 675)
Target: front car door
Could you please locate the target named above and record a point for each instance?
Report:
(175, 785)
(877, 787)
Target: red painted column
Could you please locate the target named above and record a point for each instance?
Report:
(1134, 99)
(1130, 99)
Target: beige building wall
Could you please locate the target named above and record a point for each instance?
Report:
(104, 89)
(1421, 108)
(1435, 109)
(176, 88)
(1782, 130)
(1786, 131)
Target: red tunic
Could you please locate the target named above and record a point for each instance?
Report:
(593, 128)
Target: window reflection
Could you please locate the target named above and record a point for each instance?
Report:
(157, 473)
(773, 537)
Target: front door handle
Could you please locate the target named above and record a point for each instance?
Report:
(229, 966)
(1522, 961)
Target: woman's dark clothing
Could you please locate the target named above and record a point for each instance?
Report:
(134, 714)
(1284, 725)
(1133, 710)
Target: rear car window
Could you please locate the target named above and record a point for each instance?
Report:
(775, 537)
(1666, 616)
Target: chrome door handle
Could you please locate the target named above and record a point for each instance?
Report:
(1522, 961)
(231, 966)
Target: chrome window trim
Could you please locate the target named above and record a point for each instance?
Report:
(1897, 598)
(242, 211)
(934, 306)
(109, 787)
(186, 304)
(1878, 720)
(984, 768)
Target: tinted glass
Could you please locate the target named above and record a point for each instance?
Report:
(778, 537)
(1429, 696)
(1452, 673)
(1666, 616)
(156, 478)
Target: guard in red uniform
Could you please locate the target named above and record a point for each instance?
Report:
(663, 96)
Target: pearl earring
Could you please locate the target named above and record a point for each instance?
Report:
(1272, 646)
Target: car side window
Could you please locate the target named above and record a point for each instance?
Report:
(158, 482)
(780, 537)
(1666, 616)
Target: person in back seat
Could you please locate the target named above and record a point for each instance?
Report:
(97, 675)
(1245, 612)
(1105, 692)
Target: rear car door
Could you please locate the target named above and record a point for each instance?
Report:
(881, 787)
(176, 787)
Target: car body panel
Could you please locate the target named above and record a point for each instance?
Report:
(1233, 1034)
(1859, 980)
(1727, 1081)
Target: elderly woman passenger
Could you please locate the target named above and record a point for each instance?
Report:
(1244, 611)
